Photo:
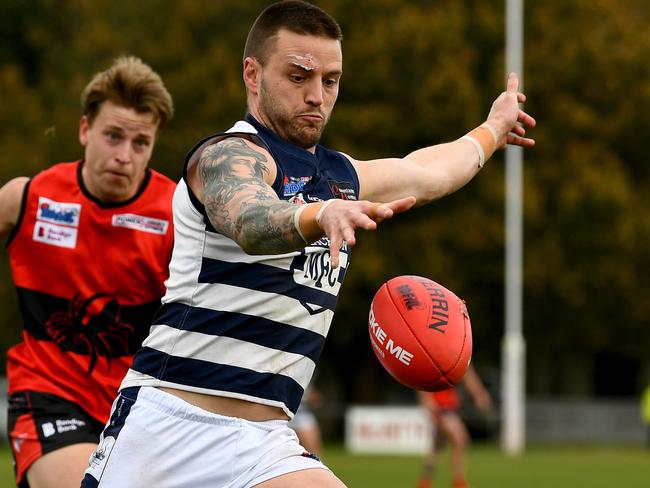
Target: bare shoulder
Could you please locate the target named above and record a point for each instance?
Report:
(12, 191)
(11, 195)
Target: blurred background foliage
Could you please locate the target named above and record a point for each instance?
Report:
(415, 73)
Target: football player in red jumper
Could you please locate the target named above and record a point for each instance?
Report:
(89, 244)
(443, 407)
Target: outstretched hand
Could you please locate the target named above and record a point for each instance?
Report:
(341, 218)
(508, 119)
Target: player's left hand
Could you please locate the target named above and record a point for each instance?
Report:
(508, 119)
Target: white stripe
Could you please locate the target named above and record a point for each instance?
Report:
(233, 352)
(285, 310)
(136, 378)
(242, 126)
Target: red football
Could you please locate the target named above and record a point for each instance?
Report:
(420, 332)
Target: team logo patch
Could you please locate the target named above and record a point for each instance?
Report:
(103, 450)
(138, 222)
(58, 212)
(48, 429)
(294, 184)
(312, 267)
(93, 326)
(55, 235)
(343, 190)
(298, 199)
(61, 426)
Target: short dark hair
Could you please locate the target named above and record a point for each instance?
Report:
(294, 15)
(131, 83)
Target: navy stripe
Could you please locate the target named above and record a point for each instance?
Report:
(204, 374)
(123, 404)
(125, 401)
(270, 279)
(89, 482)
(257, 330)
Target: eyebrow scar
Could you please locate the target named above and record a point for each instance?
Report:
(305, 62)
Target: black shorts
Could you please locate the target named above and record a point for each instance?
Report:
(39, 423)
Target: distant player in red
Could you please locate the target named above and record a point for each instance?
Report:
(443, 407)
(89, 244)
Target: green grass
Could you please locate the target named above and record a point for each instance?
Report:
(488, 467)
(540, 466)
(6, 470)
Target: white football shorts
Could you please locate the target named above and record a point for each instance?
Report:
(154, 439)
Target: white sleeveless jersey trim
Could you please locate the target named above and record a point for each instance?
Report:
(185, 266)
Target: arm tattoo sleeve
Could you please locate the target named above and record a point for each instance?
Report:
(240, 204)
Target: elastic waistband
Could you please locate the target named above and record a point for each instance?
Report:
(177, 407)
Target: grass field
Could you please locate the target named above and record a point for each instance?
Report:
(543, 467)
(539, 467)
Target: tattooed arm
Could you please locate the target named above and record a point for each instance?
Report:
(233, 178)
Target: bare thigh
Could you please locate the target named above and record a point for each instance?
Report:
(63, 468)
(313, 478)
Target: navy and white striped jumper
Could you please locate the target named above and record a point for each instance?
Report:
(242, 326)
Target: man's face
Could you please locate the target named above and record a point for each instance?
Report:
(298, 86)
(118, 146)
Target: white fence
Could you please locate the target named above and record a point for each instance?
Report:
(387, 430)
(588, 421)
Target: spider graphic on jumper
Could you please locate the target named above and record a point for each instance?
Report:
(92, 326)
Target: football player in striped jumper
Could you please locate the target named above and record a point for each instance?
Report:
(265, 219)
